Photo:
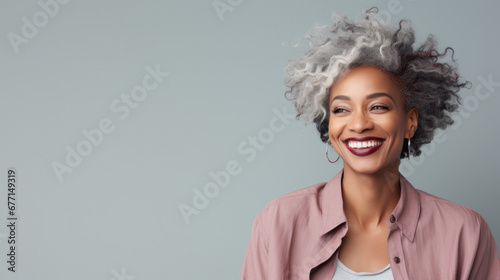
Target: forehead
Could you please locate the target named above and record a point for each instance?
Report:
(364, 80)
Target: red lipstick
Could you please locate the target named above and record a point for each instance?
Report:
(363, 151)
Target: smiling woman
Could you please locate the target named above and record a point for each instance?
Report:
(374, 99)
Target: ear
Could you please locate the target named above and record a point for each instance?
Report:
(411, 123)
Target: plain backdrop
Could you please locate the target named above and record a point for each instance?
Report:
(113, 209)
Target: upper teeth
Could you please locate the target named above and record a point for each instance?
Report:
(363, 144)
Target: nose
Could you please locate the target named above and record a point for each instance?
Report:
(359, 122)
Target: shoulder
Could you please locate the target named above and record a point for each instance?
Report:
(293, 205)
(448, 213)
(303, 195)
(462, 230)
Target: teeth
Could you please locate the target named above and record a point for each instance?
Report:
(363, 144)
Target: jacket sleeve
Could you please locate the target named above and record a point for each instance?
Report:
(486, 264)
(256, 256)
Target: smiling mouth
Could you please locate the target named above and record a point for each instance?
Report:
(363, 144)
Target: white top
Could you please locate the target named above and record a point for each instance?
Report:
(342, 272)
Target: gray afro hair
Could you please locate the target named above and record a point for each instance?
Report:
(427, 83)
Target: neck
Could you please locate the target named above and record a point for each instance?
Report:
(369, 199)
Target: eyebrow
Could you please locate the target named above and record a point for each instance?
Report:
(370, 96)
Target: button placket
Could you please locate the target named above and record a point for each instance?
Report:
(394, 243)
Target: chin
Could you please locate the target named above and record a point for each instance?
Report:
(367, 167)
(361, 170)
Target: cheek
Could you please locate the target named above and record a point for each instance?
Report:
(394, 124)
(391, 127)
(395, 127)
(333, 128)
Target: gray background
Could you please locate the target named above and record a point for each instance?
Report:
(116, 215)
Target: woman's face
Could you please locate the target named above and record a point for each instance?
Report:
(368, 122)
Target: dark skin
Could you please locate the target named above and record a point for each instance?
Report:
(366, 102)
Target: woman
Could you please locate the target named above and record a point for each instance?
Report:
(374, 99)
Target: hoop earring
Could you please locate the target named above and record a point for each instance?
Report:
(409, 143)
(327, 144)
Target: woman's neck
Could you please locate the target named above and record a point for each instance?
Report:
(369, 198)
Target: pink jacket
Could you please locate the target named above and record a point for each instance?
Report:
(296, 236)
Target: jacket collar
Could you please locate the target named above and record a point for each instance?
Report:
(406, 212)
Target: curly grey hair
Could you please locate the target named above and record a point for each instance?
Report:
(427, 85)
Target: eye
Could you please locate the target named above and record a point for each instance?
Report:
(339, 110)
(379, 107)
